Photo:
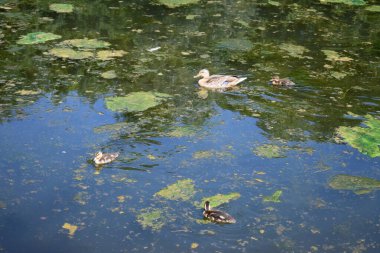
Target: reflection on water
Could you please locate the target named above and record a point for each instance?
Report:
(256, 141)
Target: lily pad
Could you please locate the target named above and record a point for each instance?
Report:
(348, 2)
(151, 218)
(177, 3)
(111, 74)
(61, 8)
(136, 101)
(335, 56)
(359, 185)
(235, 44)
(373, 8)
(37, 37)
(364, 139)
(270, 151)
(296, 51)
(106, 55)
(181, 190)
(275, 197)
(218, 199)
(68, 53)
(86, 43)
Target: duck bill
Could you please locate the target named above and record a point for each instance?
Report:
(196, 76)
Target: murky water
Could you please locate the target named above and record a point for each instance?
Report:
(254, 140)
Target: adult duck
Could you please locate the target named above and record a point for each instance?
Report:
(217, 215)
(217, 81)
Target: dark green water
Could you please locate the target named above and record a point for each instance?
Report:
(48, 136)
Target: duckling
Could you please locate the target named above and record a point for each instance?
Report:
(217, 81)
(216, 215)
(103, 158)
(277, 81)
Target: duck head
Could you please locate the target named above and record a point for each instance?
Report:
(203, 73)
(207, 206)
(275, 80)
(98, 155)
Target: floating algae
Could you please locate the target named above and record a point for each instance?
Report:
(359, 185)
(111, 74)
(86, 43)
(373, 8)
(37, 38)
(348, 2)
(181, 190)
(364, 139)
(151, 218)
(177, 3)
(61, 8)
(106, 55)
(335, 56)
(235, 44)
(182, 131)
(218, 199)
(136, 101)
(270, 151)
(296, 51)
(68, 53)
(275, 197)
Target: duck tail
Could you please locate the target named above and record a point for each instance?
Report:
(240, 80)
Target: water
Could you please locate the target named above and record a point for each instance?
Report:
(48, 137)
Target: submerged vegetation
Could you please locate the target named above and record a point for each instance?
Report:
(359, 185)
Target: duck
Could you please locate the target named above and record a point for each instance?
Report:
(217, 215)
(277, 81)
(217, 81)
(103, 158)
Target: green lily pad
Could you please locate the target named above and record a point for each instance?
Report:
(106, 55)
(86, 43)
(359, 185)
(68, 53)
(348, 2)
(181, 190)
(364, 139)
(151, 218)
(373, 8)
(61, 8)
(136, 101)
(296, 51)
(37, 37)
(235, 44)
(275, 197)
(111, 74)
(270, 151)
(218, 199)
(177, 3)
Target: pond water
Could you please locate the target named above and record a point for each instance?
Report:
(273, 149)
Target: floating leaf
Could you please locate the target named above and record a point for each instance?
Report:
(348, 2)
(218, 199)
(296, 51)
(70, 228)
(86, 43)
(359, 185)
(106, 55)
(373, 8)
(61, 8)
(151, 218)
(136, 101)
(109, 74)
(275, 197)
(334, 56)
(235, 44)
(270, 151)
(365, 139)
(177, 3)
(37, 37)
(68, 53)
(180, 190)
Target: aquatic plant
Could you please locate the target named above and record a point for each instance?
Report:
(296, 51)
(373, 8)
(235, 44)
(136, 101)
(364, 139)
(218, 199)
(359, 185)
(111, 74)
(269, 151)
(86, 43)
(37, 38)
(106, 55)
(151, 218)
(335, 56)
(68, 53)
(177, 3)
(348, 2)
(181, 190)
(61, 8)
(275, 197)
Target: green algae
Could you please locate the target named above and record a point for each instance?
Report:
(359, 185)
(205, 154)
(151, 218)
(293, 50)
(37, 38)
(182, 131)
(235, 44)
(364, 139)
(181, 190)
(177, 3)
(373, 8)
(86, 43)
(136, 101)
(111, 74)
(348, 2)
(218, 199)
(275, 197)
(270, 151)
(335, 56)
(68, 53)
(61, 8)
(106, 55)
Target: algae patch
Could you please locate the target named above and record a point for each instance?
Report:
(359, 185)
(61, 8)
(373, 8)
(181, 190)
(151, 218)
(68, 53)
(86, 43)
(106, 55)
(235, 44)
(177, 3)
(364, 139)
(275, 197)
(111, 74)
(296, 51)
(218, 199)
(348, 2)
(136, 101)
(335, 56)
(37, 38)
(270, 151)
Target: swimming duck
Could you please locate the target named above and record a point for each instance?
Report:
(103, 158)
(216, 215)
(277, 81)
(217, 81)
